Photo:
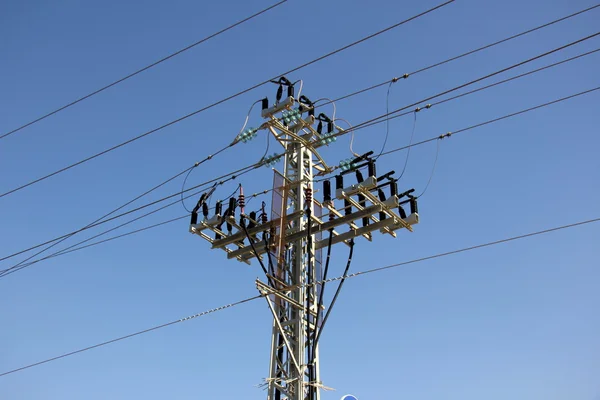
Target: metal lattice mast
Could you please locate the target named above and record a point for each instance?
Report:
(290, 241)
(294, 370)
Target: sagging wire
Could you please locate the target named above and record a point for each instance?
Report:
(437, 153)
(267, 149)
(387, 120)
(237, 137)
(337, 292)
(329, 102)
(300, 90)
(412, 135)
(234, 142)
(183, 186)
(351, 135)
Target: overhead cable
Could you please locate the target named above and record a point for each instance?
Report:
(139, 71)
(221, 101)
(249, 299)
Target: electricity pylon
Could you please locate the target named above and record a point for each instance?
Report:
(293, 236)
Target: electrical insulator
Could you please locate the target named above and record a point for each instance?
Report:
(219, 208)
(330, 127)
(413, 205)
(401, 212)
(252, 221)
(291, 117)
(279, 93)
(362, 201)
(347, 207)
(393, 187)
(382, 198)
(265, 103)
(339, 182)
(359, 176)
(270, 161)
(205, 210)
(247, 135)
(326, 192)
(320, 127)
(308, 195)
(347, 165)
(241, 201)
(371, 167)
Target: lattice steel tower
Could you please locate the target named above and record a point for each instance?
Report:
(292, 237)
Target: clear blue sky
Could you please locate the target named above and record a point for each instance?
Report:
(516, 321)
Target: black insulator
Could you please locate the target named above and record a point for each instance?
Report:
(311, 106)
(194, 218)
(401, 195)
(382, 198)
(372, 171)
(264, 218)
(339, 182)
(359, 176)
(218, 208)
(205, 210)
(393, 187)
(326, 191)
(362, 201)
(252, 221)
(401, 212)
(232, 205)
(347, 207)
(291, 91)
(363, 157)
(413, 205)
(265, 103)
(329, 127)
(279, 93)
(320, 127)
(385, 176)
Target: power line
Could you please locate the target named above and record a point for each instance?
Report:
(229, 176)
(246, 300)
(74, 247)
(491, 121)
(247, 169)
(485, 87)
(439, 137)
(222, 101)
(470, 52)
(381, 117)
(139, 71)
(214, 310)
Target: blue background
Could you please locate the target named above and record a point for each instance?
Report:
(516, 321)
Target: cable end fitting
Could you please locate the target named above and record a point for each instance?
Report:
(448, 134)
(405, 76)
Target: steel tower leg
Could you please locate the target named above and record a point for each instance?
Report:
(294, 370)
